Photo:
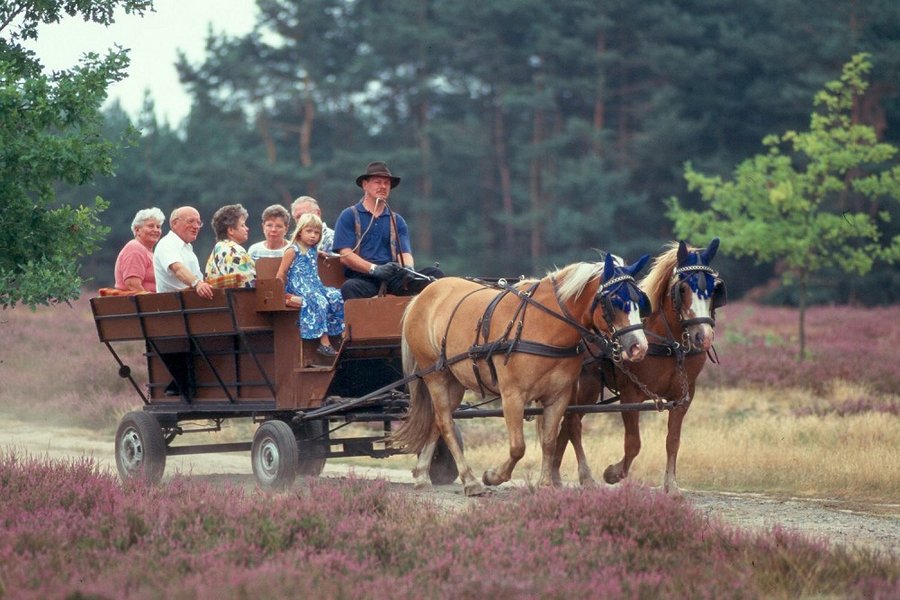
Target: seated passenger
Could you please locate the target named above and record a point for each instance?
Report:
(275, 224)
(134, 265)
(321, 307)
(373, 241)
(174, 262)
(228, 256)
(308, 204)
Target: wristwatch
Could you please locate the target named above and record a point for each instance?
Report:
(372, 270)
(196, 282)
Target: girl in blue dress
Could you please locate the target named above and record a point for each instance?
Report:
(321, 307)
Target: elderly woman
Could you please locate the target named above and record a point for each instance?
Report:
(228, 256)
(275, 222)
(134, 265)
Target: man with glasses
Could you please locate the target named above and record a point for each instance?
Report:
(174, 262)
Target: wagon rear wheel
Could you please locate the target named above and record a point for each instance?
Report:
(274, 455)
(140, 448)
(312, 441)
(443, 469)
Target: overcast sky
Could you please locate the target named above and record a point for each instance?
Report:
(154, 41)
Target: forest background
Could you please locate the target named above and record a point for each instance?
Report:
(527, 133)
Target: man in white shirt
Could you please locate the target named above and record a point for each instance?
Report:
(174, 262)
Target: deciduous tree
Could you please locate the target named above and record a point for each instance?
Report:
(815, 199)
(50, 132)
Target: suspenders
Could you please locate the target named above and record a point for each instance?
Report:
(359, 233)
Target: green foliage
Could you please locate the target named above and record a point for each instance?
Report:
(50, 133)
(813, 205)
(814, 200)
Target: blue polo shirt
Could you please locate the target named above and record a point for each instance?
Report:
(376, 244)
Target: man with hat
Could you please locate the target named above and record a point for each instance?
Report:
(373, 241)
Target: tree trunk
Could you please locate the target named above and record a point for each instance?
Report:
(801, 302)
(424, 240)
(504, 174)
(599, 99)
(262, 126)
(535, 183)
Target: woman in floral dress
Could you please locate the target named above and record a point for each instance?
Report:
(228, 256)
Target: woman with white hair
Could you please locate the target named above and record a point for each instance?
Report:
(134, 265)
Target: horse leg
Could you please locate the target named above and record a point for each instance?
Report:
(673, 442)
(562, 440)
(420, 472)
(619, 471)
(513, 414)
(445, 402)
(573, 423)
(553, 414)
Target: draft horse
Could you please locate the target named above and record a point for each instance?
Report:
(529, 341)
(684, 292)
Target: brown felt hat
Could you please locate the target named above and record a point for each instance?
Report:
(378, 169)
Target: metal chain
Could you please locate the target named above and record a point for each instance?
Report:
(656, 398)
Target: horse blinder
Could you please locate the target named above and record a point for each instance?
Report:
(719, 295)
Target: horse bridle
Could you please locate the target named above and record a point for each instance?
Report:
(602, 298)
(718, 296)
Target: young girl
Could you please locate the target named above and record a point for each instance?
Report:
(321, 308)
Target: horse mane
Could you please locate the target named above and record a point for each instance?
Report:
(656, 283)
(573, 278)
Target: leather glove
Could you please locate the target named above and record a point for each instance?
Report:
(387, 271)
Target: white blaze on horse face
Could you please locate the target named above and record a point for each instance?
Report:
(701, 335)
(634, 343)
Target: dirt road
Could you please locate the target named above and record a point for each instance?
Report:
(853, 525)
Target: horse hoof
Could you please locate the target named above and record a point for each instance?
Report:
(612, 475)
(490, 478)
(587, 482)
(421, 485)
(473, 488)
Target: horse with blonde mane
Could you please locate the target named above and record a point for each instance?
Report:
(684, 292)
(523, 343)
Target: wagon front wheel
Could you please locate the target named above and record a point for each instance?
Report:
(274, 455)
(140, 448)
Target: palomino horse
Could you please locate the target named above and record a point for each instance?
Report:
(684, 292)
(524, 343)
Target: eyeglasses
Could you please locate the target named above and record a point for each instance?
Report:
(196, 222)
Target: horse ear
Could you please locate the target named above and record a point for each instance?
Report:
(710, 252)
(682, 252)
(636, 267)
(609, 267)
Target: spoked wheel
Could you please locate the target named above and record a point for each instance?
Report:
(443, 469)
(140, 448)
(274, 455)
(312, 440)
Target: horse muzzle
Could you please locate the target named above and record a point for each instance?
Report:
(633, 345)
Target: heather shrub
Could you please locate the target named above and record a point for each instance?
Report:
(69, 530)
(54, 368)
(758, 345)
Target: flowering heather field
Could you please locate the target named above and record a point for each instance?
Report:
(758, 345)
(72, 531)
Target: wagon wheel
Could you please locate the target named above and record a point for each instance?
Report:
(443, 469)
(312, 439)
(274, 455)
(140, 448)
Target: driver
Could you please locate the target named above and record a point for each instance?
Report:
(373, 241)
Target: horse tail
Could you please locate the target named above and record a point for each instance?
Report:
(414, 431)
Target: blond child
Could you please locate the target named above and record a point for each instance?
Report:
(321, 307)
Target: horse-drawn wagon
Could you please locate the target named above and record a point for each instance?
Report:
(239, 356)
